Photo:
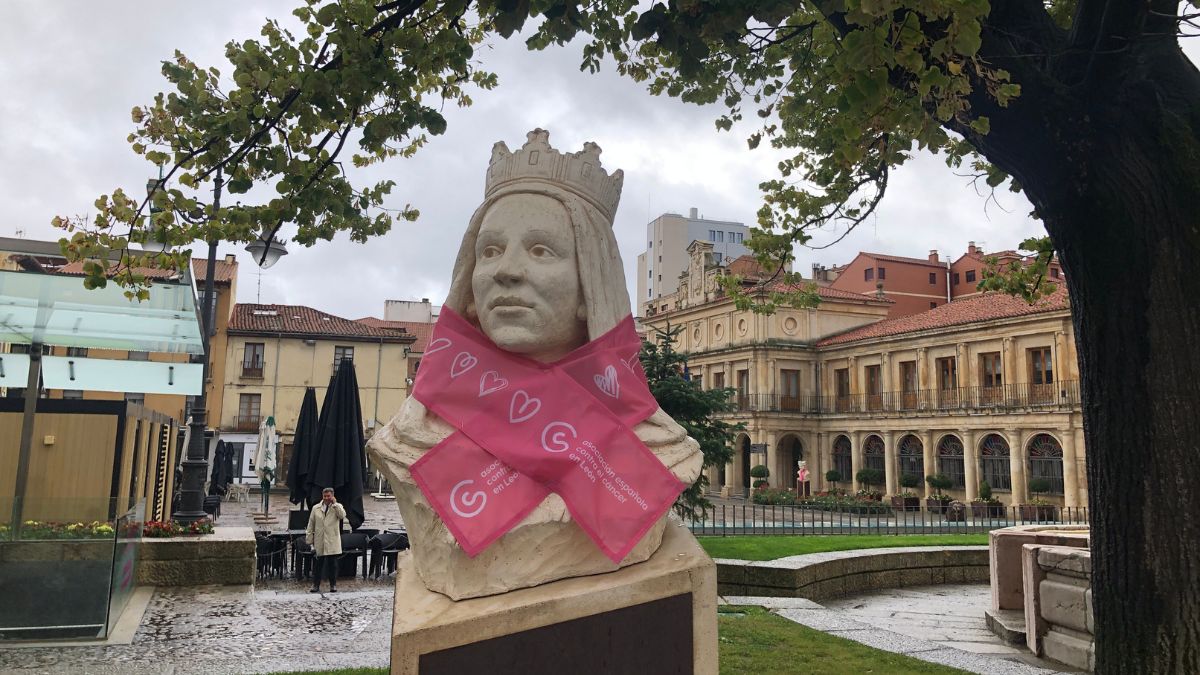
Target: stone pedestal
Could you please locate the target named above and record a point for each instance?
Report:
(659, 616)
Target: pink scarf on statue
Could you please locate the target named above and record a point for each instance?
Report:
(526, 429)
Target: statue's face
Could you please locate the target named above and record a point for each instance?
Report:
(526, 280)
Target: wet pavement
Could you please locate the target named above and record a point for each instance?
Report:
(275, 627)
(382, 514)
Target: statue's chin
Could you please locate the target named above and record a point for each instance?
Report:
(526, 342)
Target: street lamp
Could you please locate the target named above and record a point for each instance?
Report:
(266, 253)
(195, 464)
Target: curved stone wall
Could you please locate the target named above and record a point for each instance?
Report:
(820, 576)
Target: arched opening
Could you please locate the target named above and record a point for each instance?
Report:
(873, 453)
(842, 462)
(995, 462)
(950, 461)
(911, 457)
(790, 453)
(1046, 462)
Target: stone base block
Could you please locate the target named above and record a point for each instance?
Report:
(659, 616)
(225, 557)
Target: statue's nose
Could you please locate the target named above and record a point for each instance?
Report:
(509, 270)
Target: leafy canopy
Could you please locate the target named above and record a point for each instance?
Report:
(848, 89)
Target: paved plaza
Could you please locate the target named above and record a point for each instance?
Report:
(278, 626)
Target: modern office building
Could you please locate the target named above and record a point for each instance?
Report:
(667, 239)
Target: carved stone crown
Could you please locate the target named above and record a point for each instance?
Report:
(537, 162)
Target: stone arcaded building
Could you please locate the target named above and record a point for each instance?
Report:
(979, 388)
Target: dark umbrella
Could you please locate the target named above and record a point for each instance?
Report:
(220, 475)
(304, 445)
(339, 462)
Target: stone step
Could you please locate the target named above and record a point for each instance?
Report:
(1009, 624)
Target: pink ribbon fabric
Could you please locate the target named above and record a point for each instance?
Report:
(526, 429)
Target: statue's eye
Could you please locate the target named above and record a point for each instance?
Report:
(491, 252)
(541, 251)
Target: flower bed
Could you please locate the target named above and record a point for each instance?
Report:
(157, 529)
(821, 501)
(37, 530)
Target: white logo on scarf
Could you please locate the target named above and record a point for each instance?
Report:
(632, 362)
(607, 382)
(491, 382)
(557, 439)
(437, 346)
(528, 407)
(462, 363)
(468, 500)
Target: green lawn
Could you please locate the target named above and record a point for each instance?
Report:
(772, 547)
(752, 640)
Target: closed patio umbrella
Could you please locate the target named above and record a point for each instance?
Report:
(221, 475)
(340, 462)
(304, 445)
(265, 459)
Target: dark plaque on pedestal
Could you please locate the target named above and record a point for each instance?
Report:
(652, 637)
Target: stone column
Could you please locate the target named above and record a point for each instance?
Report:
(856, 438)
(885, 379)
(1008, 360)
(814, 453)
(729, 378)
(1070, 470)
(1061, 354)
(771, 460)
(1081, 465)
(970, 464)
(922, 376)
(727, 489)
(1016, 463)
(890, 465)
(852, 367)
(928, 458)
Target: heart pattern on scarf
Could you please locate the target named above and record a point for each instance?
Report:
(462, 363)
(528, 407)
(491, 382)
(607, 382)
(437, 346)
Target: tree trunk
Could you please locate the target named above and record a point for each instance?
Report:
(1118, 187)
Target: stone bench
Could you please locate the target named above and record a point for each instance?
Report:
(1007, 586)
(224, 557)
(821, 576)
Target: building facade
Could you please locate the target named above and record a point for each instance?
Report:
(982, 388)
(275, 352)
(667, 239)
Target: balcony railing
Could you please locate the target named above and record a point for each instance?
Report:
(246, 422)
(253, 370)
(1007, 397)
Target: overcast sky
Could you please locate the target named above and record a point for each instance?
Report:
(70, 72)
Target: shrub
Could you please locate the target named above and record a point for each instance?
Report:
(774, 496)
(870, 476)
(1039, 486)
(760, 471)
(758, 483)
(985, 491)
(939, 482)
(909, 480)
(833, 476)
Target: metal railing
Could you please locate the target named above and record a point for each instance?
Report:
(1006, 397)
(253, 369)
(246, 422)
(809, 519)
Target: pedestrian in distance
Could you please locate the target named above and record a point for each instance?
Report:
(325, 536)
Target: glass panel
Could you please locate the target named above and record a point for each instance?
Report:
(55, 309)
(147, 377)
(14, 369)
(57, 568)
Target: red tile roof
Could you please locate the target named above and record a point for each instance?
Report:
(975, 309)
(904, 259)
(225, 271)
(421, 330)
(300, 320)
(750, 269)
(828, 293)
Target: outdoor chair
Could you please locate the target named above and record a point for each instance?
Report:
(304, 555)
(354, 548)
(298, 519)
(385, 547)
(212, 506)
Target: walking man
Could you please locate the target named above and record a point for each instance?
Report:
(325, 536)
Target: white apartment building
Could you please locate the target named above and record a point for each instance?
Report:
(667, 239)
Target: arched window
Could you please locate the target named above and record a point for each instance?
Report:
(842, 463)
(950, 461)
(912, 457)
(994, 462)
(873, 453)
(1046, 461)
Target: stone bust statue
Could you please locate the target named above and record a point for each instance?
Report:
(539, 273)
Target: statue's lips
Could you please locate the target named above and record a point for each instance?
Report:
(505, 304)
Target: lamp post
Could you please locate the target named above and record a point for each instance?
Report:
(195, 463)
